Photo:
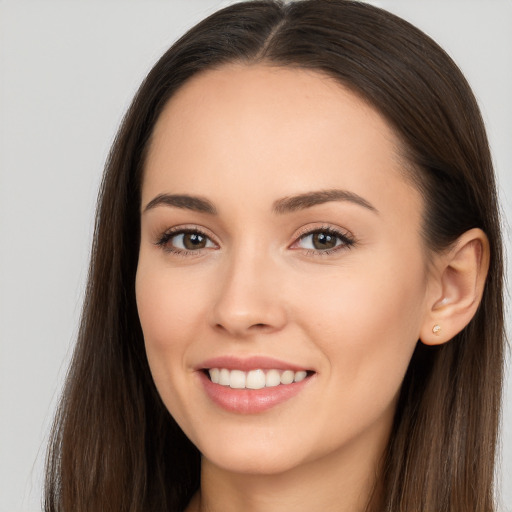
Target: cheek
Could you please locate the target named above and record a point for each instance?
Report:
(169, 308)
(367, 324)
(168, 311)
(168, 304)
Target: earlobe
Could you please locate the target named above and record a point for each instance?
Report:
(460, 279)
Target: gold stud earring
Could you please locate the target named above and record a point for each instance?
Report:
(436, 329)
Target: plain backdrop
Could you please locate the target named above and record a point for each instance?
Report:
(68, 70)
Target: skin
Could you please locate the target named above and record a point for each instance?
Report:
(243, 137)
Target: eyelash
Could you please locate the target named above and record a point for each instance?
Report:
(347, 241)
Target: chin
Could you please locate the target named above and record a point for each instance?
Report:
(275, 451)
(253, 462)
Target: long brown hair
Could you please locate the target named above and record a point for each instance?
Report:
(116, 448)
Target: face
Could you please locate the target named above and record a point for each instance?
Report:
(282, 279)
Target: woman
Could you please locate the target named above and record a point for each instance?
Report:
(295, 294)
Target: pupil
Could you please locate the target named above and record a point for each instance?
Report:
(193, 240)
(324, 241)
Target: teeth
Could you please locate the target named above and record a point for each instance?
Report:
(224, 377)
(273, 378)
(287, 377)
(215, 375)
(254, 379)
(237, 379)
(299, 376)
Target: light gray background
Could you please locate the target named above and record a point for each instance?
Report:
(68, 70)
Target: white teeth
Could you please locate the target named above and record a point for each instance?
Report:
(254, 379)
(215, 375)
(299, 376)
(272, 379)
(287, 377)
(237, 379)
(224, 377)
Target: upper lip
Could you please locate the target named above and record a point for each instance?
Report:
(249, 363)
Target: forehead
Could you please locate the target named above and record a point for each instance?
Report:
(260, 130)
(246, 94)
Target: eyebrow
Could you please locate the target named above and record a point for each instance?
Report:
(185, 201)
(309, 199)
(280, 206)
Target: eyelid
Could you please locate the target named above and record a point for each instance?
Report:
(188, 228)
(307, 230)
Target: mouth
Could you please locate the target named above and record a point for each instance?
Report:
(255, 379)
(255, 384)
(252, 385)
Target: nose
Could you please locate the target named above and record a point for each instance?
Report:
(249, 299)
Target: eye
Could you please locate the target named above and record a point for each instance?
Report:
(188, 242)
(185, 241)
(325, 240)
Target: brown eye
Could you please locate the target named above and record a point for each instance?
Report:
(185, 241)
(193, 241)
(324, 241)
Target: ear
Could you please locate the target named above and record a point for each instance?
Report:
(456, 287)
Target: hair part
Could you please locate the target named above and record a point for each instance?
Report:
(116, 448)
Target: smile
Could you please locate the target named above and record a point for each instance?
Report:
(253, 385)
(255, 379)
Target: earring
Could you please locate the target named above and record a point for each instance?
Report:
(436, 329)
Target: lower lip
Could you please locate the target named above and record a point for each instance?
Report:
(250, 401)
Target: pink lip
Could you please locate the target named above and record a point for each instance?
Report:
(248, 364)
(249, 401)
